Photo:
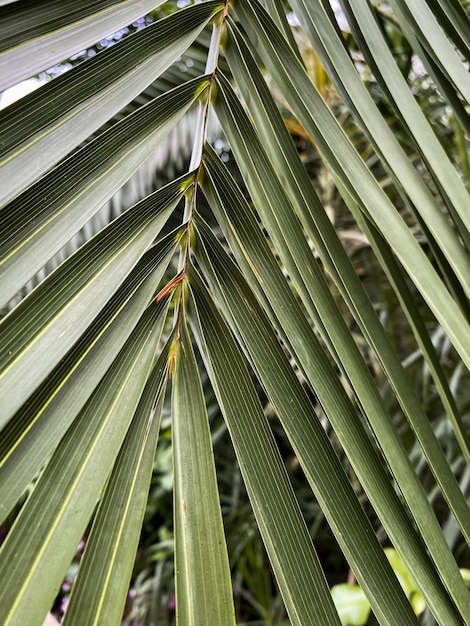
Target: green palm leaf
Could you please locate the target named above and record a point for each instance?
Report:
(246, 256)
(277, 512)
(66, 493)
(75, 189)
(69, 311)
(203, 587)
(34, 38)
(67, 110)
(115, 534)
(31, 435)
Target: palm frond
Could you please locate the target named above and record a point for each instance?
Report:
(141, 266)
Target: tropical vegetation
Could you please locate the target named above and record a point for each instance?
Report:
(274, 333)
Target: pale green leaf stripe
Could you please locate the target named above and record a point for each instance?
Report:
(434, 39)
(280, 223)
(43, 218)
(44, 326)
(35, 430)
(100, 590)
(202, 579)
(327, 387)
(47, 124)
(292, 555)
(34, 38)
(347, 165)
(315, 18)
(33, 564)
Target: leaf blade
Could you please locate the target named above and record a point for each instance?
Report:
(274, 504)
(99, 592)
(203, 585)
(356, 180)
(306, 435)
(59, 310)
(34, 40)
(40, 221)
(47, 124)
(34, 431)
(66, 494)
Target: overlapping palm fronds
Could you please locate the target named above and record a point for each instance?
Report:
(236, 265)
